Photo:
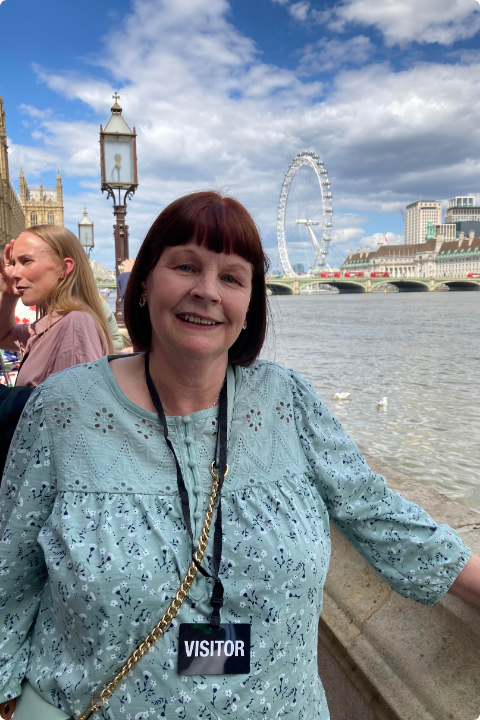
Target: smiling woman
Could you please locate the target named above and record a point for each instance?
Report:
(126, 479)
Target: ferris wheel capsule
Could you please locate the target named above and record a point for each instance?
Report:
(304, 216)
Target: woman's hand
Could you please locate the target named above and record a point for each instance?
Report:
(7, 283)
(467, 584)
(128, 264)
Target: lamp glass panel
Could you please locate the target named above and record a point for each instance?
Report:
(118, 161)
(86, 235)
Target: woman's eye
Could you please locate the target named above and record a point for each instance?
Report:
(229, 279)
(185, 268)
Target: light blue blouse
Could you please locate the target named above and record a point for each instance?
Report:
(93, 544)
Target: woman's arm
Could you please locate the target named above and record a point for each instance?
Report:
(27, 494)
(81, 342)
(8, 301)
(413, 554)
(467, 584)
(117, 339)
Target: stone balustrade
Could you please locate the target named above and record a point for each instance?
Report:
(383, 657)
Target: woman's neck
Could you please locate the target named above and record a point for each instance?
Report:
(187, 387)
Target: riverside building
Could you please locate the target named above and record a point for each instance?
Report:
(464, 214)
(417, 217)
(435, 258)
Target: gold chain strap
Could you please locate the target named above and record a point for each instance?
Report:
(98, 699)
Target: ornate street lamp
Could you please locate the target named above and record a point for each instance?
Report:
(85, 233)
(118, 162)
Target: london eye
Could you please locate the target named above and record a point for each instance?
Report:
(304, 218)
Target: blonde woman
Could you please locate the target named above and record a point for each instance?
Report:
(46, 266)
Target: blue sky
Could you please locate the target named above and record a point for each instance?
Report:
(225, 94)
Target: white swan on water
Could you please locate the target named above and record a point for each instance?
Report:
(341, 396)
(383, 402)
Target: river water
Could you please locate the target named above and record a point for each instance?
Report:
(421, 350)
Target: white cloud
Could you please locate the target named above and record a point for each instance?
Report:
(34, 112)
(379, 239)
(327, 54)
(424, 21)
(299, 10)
(210, 113)
(345, 235)
(400, 21)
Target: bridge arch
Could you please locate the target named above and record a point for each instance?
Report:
(460, 284)
(349, 286)
(280, 288)
(408, 285)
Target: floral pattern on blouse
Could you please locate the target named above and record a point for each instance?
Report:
(93, 545)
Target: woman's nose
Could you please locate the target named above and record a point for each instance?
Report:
(17, 271)
(206, 287)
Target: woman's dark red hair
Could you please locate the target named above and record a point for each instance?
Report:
(220, 224)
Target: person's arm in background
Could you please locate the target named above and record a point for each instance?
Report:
(117, 339)
(123, 277)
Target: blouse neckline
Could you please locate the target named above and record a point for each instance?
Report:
(148, 414)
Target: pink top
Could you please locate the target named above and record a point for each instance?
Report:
(71, 339)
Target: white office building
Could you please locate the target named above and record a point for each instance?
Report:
(462, 209)
(417, 217)
(448, 231)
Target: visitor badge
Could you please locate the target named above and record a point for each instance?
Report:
(206, 651)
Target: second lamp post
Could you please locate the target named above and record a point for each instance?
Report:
(118, 162)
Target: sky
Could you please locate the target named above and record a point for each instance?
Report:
(225, 93)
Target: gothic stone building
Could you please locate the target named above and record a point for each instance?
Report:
(41, 206)
(432, 258)
(12, 219)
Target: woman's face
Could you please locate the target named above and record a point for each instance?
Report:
(37, 269)
(197, 300)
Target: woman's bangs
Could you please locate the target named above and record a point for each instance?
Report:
(221, 228)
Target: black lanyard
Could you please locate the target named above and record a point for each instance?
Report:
(216, 600)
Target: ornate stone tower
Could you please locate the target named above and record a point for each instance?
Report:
(12, 220)
(3, 144)
(42, 206)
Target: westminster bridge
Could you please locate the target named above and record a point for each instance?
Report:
(293, 286)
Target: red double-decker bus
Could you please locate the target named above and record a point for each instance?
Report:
(380, 274)
(473, 275)
(355, 273)
(331, 274)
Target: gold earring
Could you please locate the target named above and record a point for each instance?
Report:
(244, 325)
(143, 299)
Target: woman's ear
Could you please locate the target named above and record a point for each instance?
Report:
(68, 265)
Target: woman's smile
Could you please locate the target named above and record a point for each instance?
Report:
(198, 320)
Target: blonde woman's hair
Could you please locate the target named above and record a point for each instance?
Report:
(77, 290)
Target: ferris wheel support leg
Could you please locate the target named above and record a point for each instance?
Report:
(296, 286)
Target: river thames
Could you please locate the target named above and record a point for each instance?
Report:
(421, 350)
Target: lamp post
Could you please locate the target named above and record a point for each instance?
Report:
(118, 163)
(85, 233)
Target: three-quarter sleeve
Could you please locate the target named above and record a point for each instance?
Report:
(27, 494)
(21, 335)
(81, 342)
(417, 557)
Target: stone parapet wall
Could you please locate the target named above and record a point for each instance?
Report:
(383, 657)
